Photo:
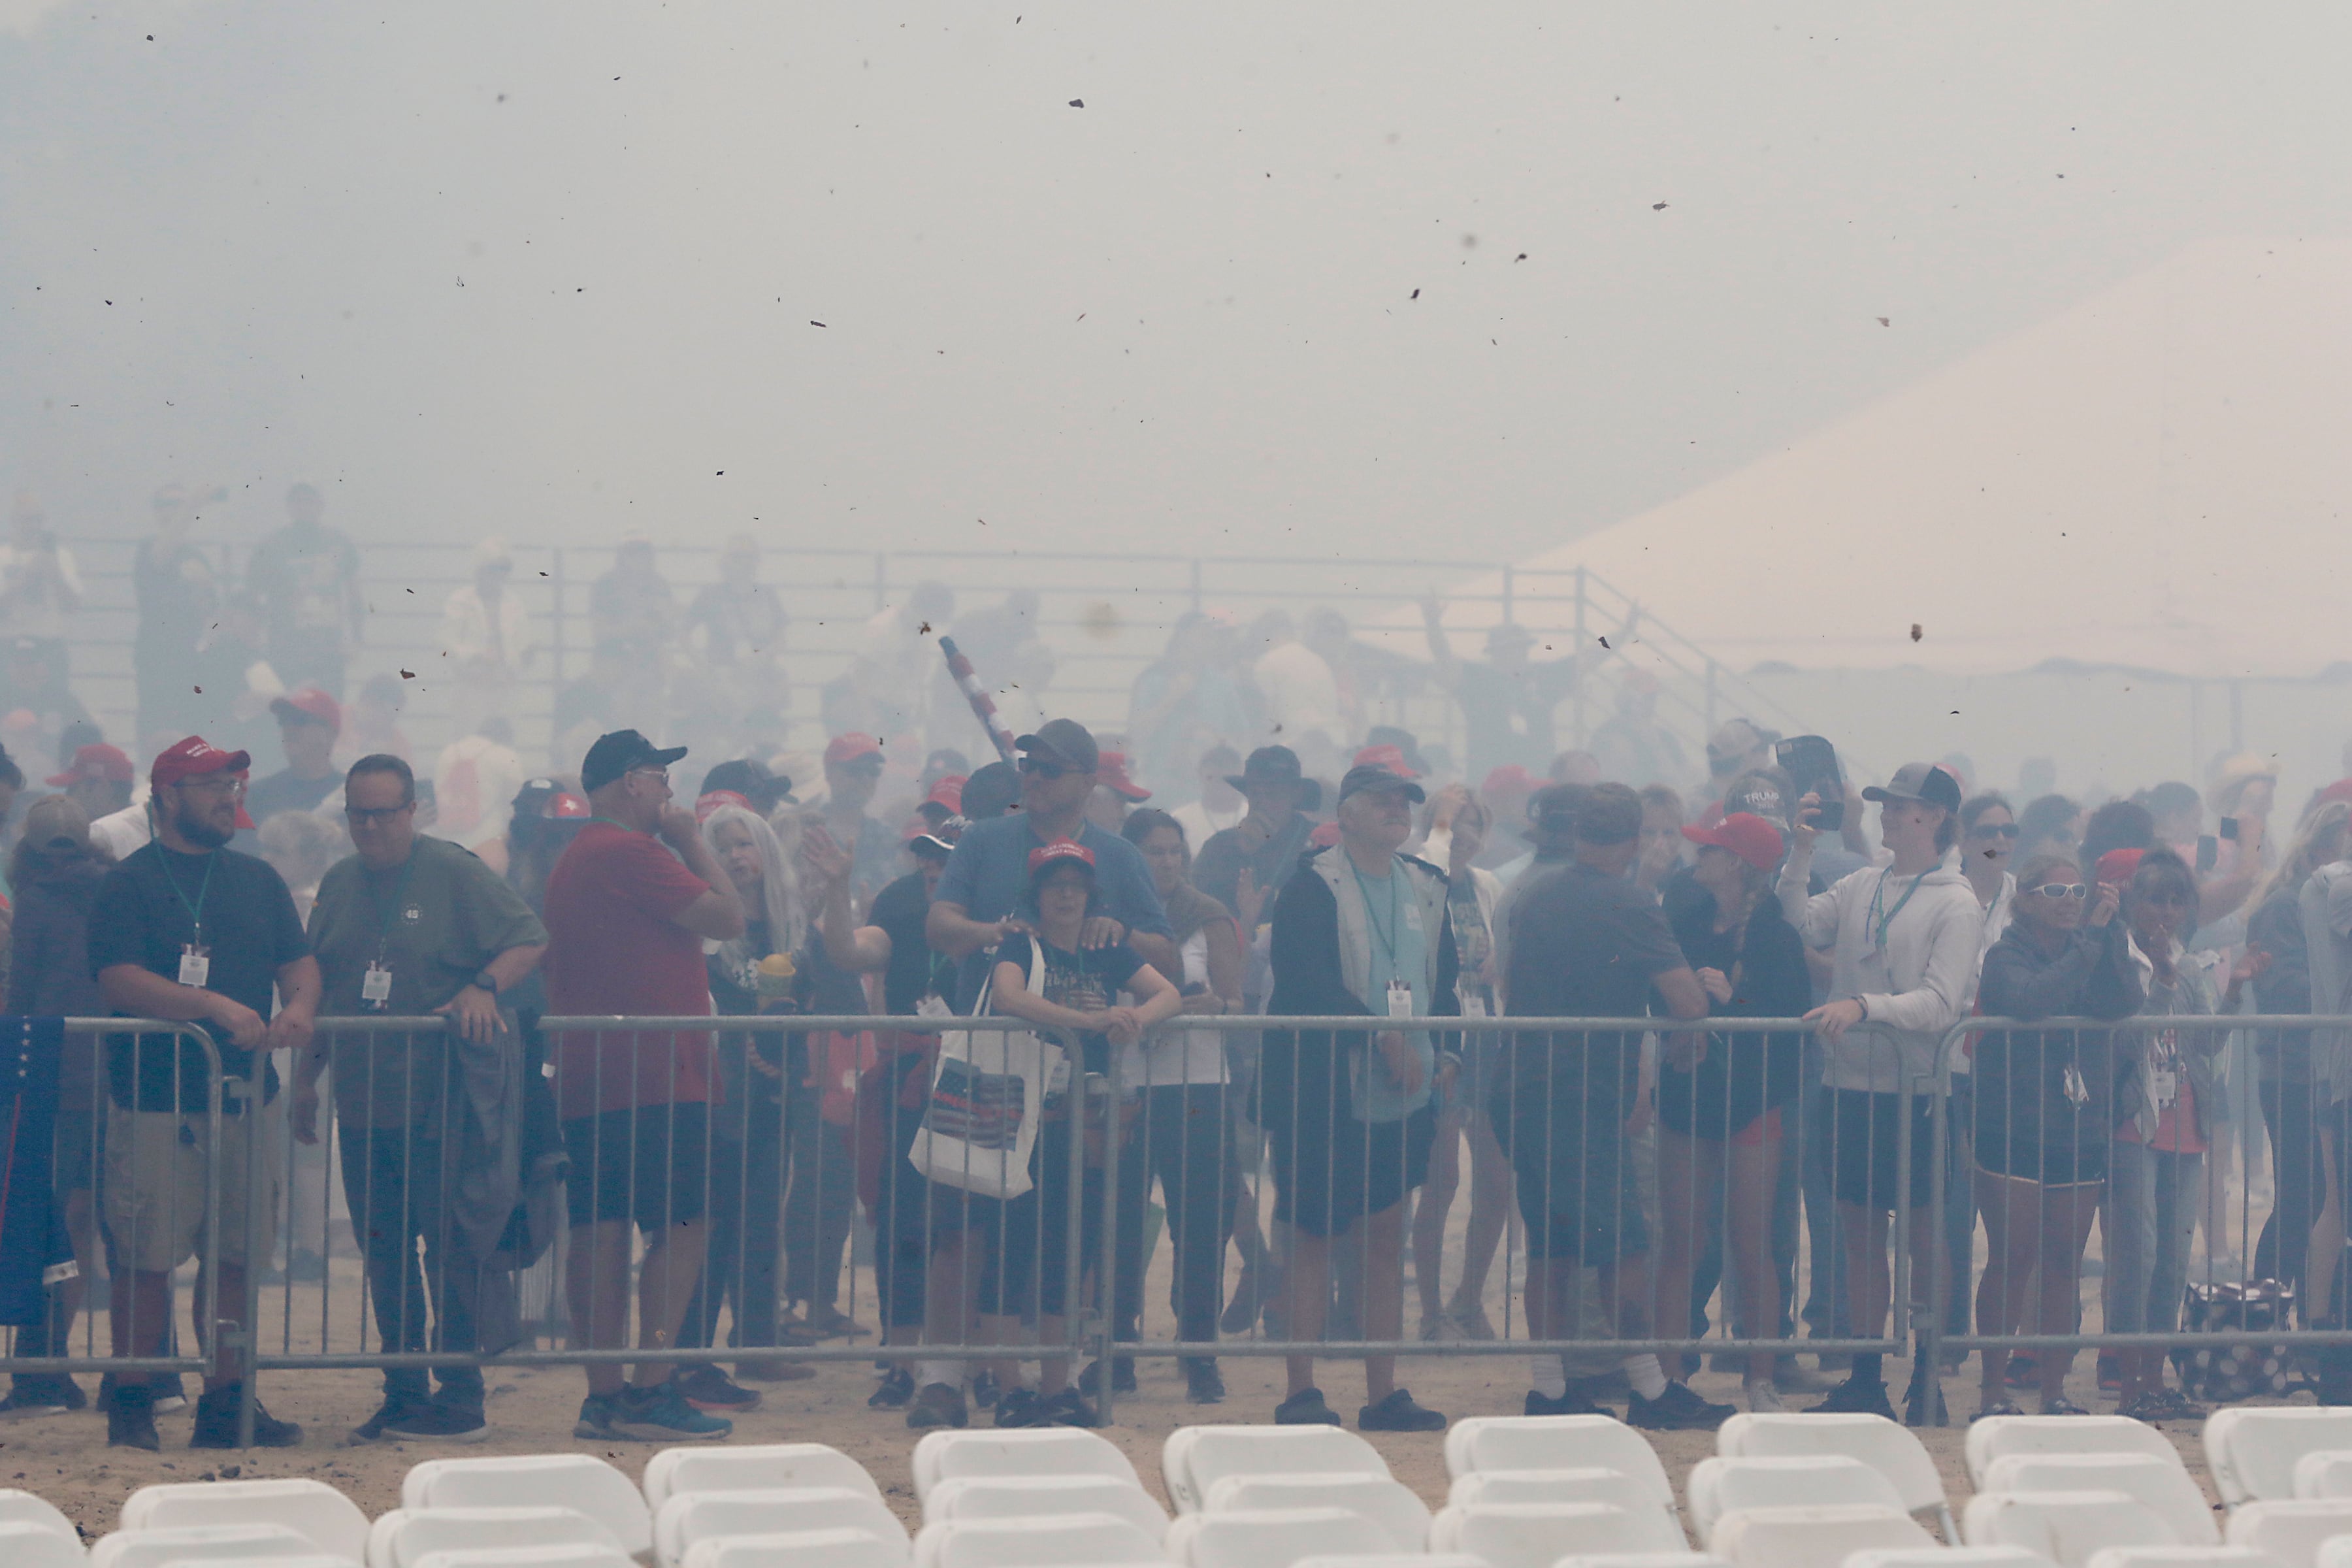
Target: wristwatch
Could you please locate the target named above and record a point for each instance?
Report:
(487, 981)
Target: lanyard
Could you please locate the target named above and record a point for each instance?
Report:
(386, 914)
(204, 889)
(1387, 939)
(1878, 902)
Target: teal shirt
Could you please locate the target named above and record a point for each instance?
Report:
(1399, 950)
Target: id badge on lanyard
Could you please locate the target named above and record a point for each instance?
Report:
(1473, 1006)
(196, 965)
(1399, 999)
(375, 986)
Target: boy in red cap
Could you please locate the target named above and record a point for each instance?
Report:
(853, 771)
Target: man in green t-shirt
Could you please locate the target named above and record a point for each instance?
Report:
(410, 926)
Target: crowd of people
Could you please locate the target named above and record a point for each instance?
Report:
(1803, 953)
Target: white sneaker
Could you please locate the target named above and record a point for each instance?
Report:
(1763, 1399)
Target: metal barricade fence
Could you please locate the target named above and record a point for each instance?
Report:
(132, 1106)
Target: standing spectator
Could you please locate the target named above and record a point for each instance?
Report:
(853, 771)
(411, 926)
(1550, 835)
(1217, 805)
(2045, 1103)
(98, 781)
(40, 585)
(1632, 746)
(1662, 820)
(1585, 942)
(371, 723)
(2049, 825)
(485, 634)
(1508, 702)
(176, 593)
(1903, 941)
(1737, 746)
(230, 679)
(54, 875)
(188, 929)
(1989, 834)
(2117, 825)
(307, 576)
(1296, 685)
(741, 621)
(1508, 793)
(1245, 867)
(307, 722)
(1362, 930)
(894, 677)
(1183, 701)
(40, 706)
(1114, 793)
(631, 610)
(1721, 1106)
(473, 779)
(628, 908)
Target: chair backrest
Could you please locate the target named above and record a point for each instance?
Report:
(756, 1467)
(1583, 1483)
(26, 1544)
(1808, 1537)
(565, 1554)
(1718, 1485)
(2253, 1452)
(20, 1507)
(2324, 1473)
(1274, 1537)
(1894, 1452)
(308, 1560)
(1395, 1560)
(1393, 1506)
(2162, 1486)
(1554, 1442)
(1948, 1557)
(2290, 1529)
(1064, 1541)
(199, 1542)
(579, 1482)
(1998, 1437)
(1536, 1535)
(402, 1536)
(2195, 1557)
(1017, 1451)
(689, 1517)
(1195, 1458)
(1642, 1560)
(2065, 1526)
(801, 1548)
(1037, 1497)
(311, 1507)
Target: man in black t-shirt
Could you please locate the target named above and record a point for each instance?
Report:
(187, 929)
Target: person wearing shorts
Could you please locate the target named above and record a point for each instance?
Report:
(628, 907)
(187, 929)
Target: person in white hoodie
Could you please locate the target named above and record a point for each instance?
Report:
(1905, 938)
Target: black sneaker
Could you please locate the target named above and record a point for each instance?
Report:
(1204, 1383)
(897, 1388)
(984, 1390)
(37, 1393)
(1569, 1403)
(1122, 1376)
(1922, 1402)
(1398, 1413)
(1020, 1407)
(1858, 1397)
(598, 1413)
(435, 1423)
(2176, 1405)
(1305, 1408)
(937, 1405)
(1997, 1408)
(706, 1388)
(661, 1415)
(1068, 1408)
(130, 1420)
(393, 1407)
(217, 1422)
(1678, 1409)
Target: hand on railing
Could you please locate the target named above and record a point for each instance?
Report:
(475, 1012)
(306, 1114)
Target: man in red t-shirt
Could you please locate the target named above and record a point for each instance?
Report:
(626, 920)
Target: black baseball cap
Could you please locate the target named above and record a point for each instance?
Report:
(1551, 814)
(1927, 782)
(1067, 741)
(1372, 776)
(752, 779)
(616, 754)
(1278, 764)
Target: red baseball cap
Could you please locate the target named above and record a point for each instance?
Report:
(311, 703)
(705, 804)
(2118, 866)
(566, 806)
(849, 748)
(1110, 772)
(948, 792)
(1746, 834)
(1509, 779)
(1061, 851)
(97, 761)
(1389, 757)
(193, 757)
(1326, 835)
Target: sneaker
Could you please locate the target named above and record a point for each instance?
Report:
(393, 1407)
(1470, 1322)
(1398, 1413)
(1436, 1328)
(833, 1323)
(984, 1390)
(216, 1422)
(895, 1392)
(1763, 1399)
(131, 1421)
(1791, 1375)
(1997, 1408)
(1678, 1410)
(599, 1414)
(2062, 1406)
(1068, 1408)
(438, 1424)
(661, 1415)
(1571, 1403)
(2144, 1407)
(937, 1405)
(1305, 1408)
(1922, 1402)
(2176, 1406)
(769, 1370)
(1858, 1397)
(1020, 1407)
(706, 1388)
(1122, 1376)
(37, 1393)
(1204, 1383)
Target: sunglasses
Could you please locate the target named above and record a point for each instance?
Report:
(1994, 830)
(362, 816)
(1044, 770)
(2061, 891)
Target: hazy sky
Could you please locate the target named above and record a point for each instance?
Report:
(549, 268)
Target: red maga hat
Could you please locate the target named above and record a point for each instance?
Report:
(1746, 834)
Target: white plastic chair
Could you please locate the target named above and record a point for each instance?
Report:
(1717, 1485)
(2324, 1473)
(1642, 1560)
(2065, 1526)
(2194, 1557)
(579, 1482)
(1536, 1535)
(1583, 1483)
(312, 1560)
(1071, 1540)
(963, 1498)
(1020, 1451)
(2290, 1529)
(754, 1468)
(1894, 1452)
(20, 1507)
(1998, 1437)
(314, 1508)
(402, 1536)
(801, 1548)
(1480, 1443)
(199, 1542)
(1396, 1559)
(1393, 1506)
(2334, 1553)
(689, 1517)
(567, 1555)
(25, 1544)
(1195, 1458)
(2162, 1486)
(1948, 1557)
(1275, 1537)
(1810, 1537)
(2253, 1452)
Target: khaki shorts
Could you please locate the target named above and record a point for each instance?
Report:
(154, 1196)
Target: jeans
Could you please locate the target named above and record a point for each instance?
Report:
(1181, 1144)
(394, 1179)
(2151, 1215)
(821, 1201)
(2297, 1175)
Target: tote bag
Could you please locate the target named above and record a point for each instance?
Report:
(987, 1094)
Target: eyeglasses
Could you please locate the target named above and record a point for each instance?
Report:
(1044, 769)
(2061, 891)
(216, 783)
(364, 816)
(660, 773)
(1994, 830)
